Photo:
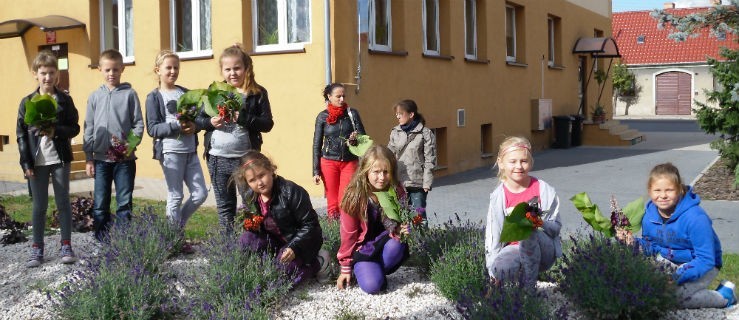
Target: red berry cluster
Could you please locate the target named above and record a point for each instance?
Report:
(224, 113)
(535, 219)
(253, 223)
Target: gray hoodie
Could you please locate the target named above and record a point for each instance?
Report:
(111, 113)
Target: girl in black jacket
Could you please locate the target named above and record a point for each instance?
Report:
(280, 218)
(47, 152)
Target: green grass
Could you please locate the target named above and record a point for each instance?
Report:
(730, 270)
(202, 221)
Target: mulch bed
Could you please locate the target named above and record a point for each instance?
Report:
(717, 183)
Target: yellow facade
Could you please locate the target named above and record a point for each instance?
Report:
(492, 93)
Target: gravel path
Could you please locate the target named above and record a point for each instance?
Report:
(23, 291)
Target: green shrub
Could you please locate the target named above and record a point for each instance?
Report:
(460, 269)
(610, 280)
(508, 301)
(428, 244)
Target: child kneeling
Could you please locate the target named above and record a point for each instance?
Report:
(521, 259)
(370, 241)
(287, 222)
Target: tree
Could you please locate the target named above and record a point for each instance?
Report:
(624, 85)
(723, 119)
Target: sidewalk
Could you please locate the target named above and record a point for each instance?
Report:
(599, 171)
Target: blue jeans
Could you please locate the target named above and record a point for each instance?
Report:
(417, 199)
(123, 174)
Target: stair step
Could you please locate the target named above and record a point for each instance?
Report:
(618, 129)
(631, 135)
(78, 175)
(608, 124)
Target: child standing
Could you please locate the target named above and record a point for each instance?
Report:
(227, 142)
(289, 225)
(526, 258)
(113, 110)
(678, 231)
(414, 145)
(48, 153)
(370, 241)
(175, 143)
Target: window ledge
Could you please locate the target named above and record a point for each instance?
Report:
(487, 155)
(437, 56)
(516, 64)
(203, 57)
(556, 67)
(439, 168)
(269, 52)
(388, 53)
(477, 60)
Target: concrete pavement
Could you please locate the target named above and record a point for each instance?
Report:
(599, 171)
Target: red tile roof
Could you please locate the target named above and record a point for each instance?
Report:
(657, 48)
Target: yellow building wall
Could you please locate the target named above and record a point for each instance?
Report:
(492, 92)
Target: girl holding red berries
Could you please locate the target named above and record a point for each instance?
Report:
(227, 141)
(337, 126)
(286, 222)
(522, 259)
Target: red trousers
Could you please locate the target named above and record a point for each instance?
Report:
(336, 175)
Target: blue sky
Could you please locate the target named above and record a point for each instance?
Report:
(634, 5)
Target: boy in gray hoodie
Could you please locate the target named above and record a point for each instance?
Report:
(113, 111)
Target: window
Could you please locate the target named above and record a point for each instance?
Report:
(431, 27)
(381, 27)
(281, 24)
(116, 27)
(510, 32)
(486, 140)
(553, 26)
(470, 29)
(190, 27)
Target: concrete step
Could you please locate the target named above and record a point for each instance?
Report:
(617, 129)
(608, 124)
(78, 175)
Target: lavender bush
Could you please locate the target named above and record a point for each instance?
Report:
(610, 280)
(510, 300)
(124, 280)
(461, 268)
(235, 284)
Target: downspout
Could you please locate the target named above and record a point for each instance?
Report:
(327, 38)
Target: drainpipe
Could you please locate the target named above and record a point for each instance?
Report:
(327, 39)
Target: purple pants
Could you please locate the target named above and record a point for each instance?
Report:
(370, 275)
(260, 242)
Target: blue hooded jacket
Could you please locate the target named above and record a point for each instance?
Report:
(687, 238)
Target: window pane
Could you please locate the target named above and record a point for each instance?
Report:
(510, 31)
(109, 21)
(551, 39)
(183, 25)
(267, 22)
(431, 44)
(470, 25)
(205, 40)
(381, 22)
(129, 28)
(298, 21)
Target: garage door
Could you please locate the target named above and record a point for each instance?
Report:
(673, 93)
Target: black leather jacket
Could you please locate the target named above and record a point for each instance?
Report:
(255, 116)
(67, 127)
(329, 140)
(295, 217)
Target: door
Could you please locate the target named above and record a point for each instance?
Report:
(673, 93)
(61, 52)
(582, 87)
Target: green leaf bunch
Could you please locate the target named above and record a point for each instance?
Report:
(634, 211)
(40, 111)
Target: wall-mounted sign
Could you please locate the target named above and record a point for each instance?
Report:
(50, 36)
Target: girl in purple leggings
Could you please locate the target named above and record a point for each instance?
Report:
(370, 245)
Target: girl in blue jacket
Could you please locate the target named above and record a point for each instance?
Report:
(678, 232)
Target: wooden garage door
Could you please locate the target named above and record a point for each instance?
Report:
(673, 93)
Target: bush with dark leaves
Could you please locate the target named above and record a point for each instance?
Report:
(610, 280)
(82, 220)
(13, 230)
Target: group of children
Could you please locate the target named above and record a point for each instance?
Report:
(675, 227)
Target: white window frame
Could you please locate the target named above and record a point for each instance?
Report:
(372, 30)
(282, 36)
(473, 21)
(122, 26)
(434, 29)
(513, 25)
(551, 25)
(195, 27)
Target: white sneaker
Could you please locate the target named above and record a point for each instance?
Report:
(67, 254)
(324, 273)
(37, 256)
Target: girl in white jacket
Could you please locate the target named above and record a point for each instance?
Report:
(521, 259)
